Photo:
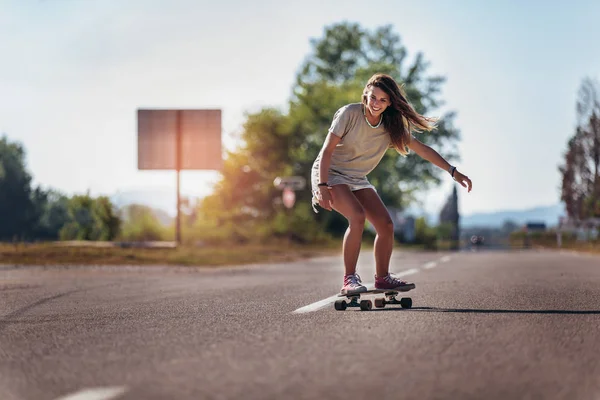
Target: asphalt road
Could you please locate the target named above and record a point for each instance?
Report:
(484, 325)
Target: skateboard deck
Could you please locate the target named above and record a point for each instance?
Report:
(366, 304)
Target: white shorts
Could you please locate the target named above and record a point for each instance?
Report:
(337, 178)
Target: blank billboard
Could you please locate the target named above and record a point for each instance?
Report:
(199, 139)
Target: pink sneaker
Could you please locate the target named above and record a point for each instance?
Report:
(352, 285)
(391, 283)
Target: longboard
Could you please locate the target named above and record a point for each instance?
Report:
(366, 304)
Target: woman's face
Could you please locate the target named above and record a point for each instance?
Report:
(377, 101)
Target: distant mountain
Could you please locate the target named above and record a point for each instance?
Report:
(164, 200)
(547, 214)
(162, 203)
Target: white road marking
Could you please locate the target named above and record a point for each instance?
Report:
(430, 264)
(105, 393)
(407, 272)
(316, 306)
(445, 259)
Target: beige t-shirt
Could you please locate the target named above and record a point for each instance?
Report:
(361, 147)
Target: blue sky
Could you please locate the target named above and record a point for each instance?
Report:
(73, 72)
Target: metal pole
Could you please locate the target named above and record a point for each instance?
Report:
(178, 170)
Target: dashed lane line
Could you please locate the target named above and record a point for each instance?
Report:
(429, 265)
(101, 393)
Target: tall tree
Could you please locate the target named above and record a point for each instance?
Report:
(450, 216)
(282, 143)
(335, 73)
(17, 211)
(580, 171)
(53, 214)
(90, 219)
(574, 179)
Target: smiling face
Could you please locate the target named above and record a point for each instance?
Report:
(377, 101)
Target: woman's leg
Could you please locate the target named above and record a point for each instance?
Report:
(378, 215)
(346, 204)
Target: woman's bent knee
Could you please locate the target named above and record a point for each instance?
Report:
(385, 228)
(357, 218)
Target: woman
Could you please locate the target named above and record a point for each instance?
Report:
(358, 138)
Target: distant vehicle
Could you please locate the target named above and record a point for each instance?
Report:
(477, 240)
(535, 227)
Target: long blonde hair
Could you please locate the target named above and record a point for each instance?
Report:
(399, 118)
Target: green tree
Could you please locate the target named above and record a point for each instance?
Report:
(243, 200)
(90, 219)
(277, 143)
(17, 209)
(139, 223)
(52, 213)
(450, 220)
(32, 213)
(335, 73)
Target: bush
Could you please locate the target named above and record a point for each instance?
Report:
(140, 224)
(297, 225)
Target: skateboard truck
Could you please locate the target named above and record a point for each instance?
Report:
(366, 304)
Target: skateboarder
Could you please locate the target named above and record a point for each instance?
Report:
(357, 139)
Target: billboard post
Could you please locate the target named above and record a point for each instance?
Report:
(177, 172)
(179, 139)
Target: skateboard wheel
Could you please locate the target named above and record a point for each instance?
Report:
(406, 302)
(353, 302)
(365, 305)
(340, 305)
(379, 303)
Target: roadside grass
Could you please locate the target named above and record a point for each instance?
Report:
(166, 253)
(103, 253)
(589, 247)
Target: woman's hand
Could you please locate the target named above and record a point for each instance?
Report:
(463, 180)
(324, 197)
